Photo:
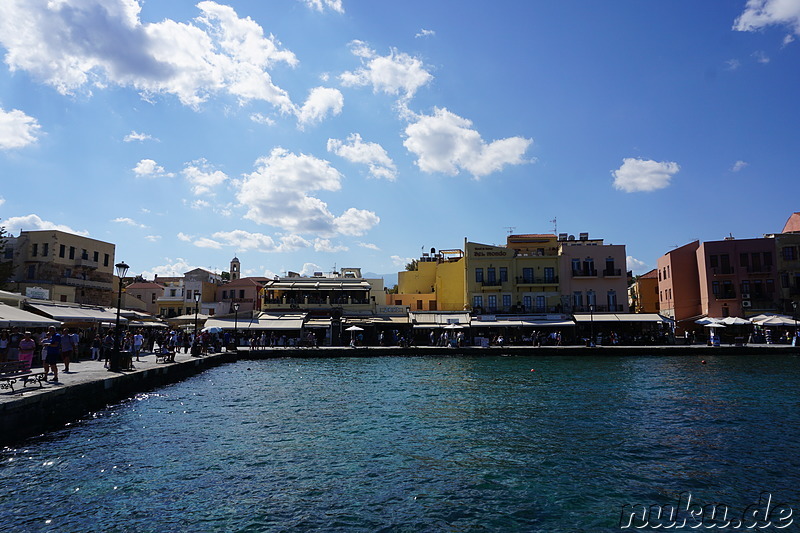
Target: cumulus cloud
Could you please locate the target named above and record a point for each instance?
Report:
(277, 193)
(395, 74)
(129, 222)
(373, 155)
(147, 168)
(76, 44)
(2, 200)
(759, 14)
(636, 175)
(172, 268)
(17, 129)
(761, 57)
(140, 137)
(320, 102)
(635, 265)
(425, 33)
(202, 176)
(401, 261)
(309, 269)
(200, 242)
(739, 165)
(445, 142)
(260, 118)
(321, 5)
(152, 238)
(369, 246)
(34, 222)
(325, 245)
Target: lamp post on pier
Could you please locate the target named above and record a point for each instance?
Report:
(114, 364)
(235, 325)
(591, 325)
(197, 296)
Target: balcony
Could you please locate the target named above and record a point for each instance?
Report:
(722, 271)
(763, 269)
(725, 295)
(584, 273)
(528, 280)
(612, 273)
(85, 262)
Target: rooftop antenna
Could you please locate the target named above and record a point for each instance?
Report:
(510, 229)
(555, 226)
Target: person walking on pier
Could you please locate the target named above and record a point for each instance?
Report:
(67, 347)
(26, 348)
(52, 353)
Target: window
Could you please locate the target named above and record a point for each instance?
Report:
(241, 293)
(172, 293)
(715, 288)
(477, 302)
(577, 299)
(549, 274)
(541, 304)
(588, 266)
(770, 286)
(31, 271)
(612, 300)
(789, 253)
(610, 266)
(224, 295)
(744, 260)
(153, 298)
(659, 275)
(669, 273)
(85, 254)
(758, 288)
(72, 252)
(506, 301)
(45, 249)
(784, 280)
(479, 275)
(492, 302)
(756, 262)
(139, 296)
(527, 275)
(768, 259)
(432, 305)
(591, 298)
(503, 274)
(35, 250)
(419, 305)
(105, 260)
(491, 275)
(527, 302)
(576, 266)
(96, 257)
(745, 287)
(727, 289)
(62, 250)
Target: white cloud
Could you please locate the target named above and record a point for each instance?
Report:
(732, 64)
(320, 102)
(635, 265)
(444, 142)
(200, 242)
(17, 129)
(369, 246)
(147, 168)
(33, 222)
(739, 165)
(396, 74)
(761, 57)
(759, 14)
(244, 240)
(202, 176)
(320, 5)
(325, 245)
(175, 268)
(425, 33)
(2, 200)
(401, 262)
(277, 193)
(129, 222)
(371, 154)
(136, 136)
(636, 175)
(153, 238)
(260, 118)
(72, 44)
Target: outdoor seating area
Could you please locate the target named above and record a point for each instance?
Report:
(12, 372)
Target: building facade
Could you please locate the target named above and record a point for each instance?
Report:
(643, 293)
(64, 267)
(593, 275)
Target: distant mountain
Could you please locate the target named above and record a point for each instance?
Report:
(389, 280)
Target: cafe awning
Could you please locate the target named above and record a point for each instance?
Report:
(438, 320)
(291, 321)
(15, 317)
(622, 317)
(77, 314)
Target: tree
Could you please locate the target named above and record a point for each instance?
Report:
(412, 266)
(394, 289)
(6, 266)
(226, 276)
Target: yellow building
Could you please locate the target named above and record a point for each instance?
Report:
(644, 293)
(61, 266)
(521, 277)
(438, 284)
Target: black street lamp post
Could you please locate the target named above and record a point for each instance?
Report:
(197, 296)
(115, 364)
(236, 325)
(591, 325)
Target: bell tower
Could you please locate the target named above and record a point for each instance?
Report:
(235, 269)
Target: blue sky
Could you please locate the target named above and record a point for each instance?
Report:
(306, 134)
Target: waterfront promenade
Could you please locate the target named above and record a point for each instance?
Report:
(90, 387)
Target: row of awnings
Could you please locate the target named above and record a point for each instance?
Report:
(47, 314)
(15, 317)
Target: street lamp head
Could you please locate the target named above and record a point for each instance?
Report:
(122, 269)
(197, 296)
(236, 306)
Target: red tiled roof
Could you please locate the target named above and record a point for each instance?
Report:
(652, 274)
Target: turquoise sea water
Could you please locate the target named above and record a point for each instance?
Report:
(418, 444)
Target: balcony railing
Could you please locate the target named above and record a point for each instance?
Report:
(528, 280)
(86, 262)
(612, 272)
(86, 283)
(726, 295)
(722, 271)
(493, 283)
(763, 269)
(584, 273)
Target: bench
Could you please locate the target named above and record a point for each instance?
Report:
(164, 355)
(13, 371)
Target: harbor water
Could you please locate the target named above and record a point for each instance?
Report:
(495, 443)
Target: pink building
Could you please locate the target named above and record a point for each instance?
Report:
(678, 285)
